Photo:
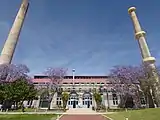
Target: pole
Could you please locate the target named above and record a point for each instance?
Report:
(148, 60)
(13, 36)
(73, 73)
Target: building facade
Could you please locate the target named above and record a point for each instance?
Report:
(80, 89)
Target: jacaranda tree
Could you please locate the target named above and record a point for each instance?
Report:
(15, 84)
(55, 75)
(132, 81)
(12, 72)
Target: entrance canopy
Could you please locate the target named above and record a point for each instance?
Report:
(73, 93)
(87, 94)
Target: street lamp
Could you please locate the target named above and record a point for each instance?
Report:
(73, 74)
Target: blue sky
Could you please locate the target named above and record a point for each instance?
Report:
(91, 36)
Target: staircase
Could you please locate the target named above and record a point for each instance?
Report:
(80, 111)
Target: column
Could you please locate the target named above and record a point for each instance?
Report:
(146, 55)
(11, 42)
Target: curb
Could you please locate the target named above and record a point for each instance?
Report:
(59, 117)
(107, 117)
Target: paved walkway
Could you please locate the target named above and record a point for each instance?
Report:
(82, 114)
(80, 111)
(83, 117)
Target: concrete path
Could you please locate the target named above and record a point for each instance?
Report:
(82, 114)
(80, 111)
(83, 117)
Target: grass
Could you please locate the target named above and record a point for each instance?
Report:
(37, 110)
(27, 117)
(145, 114)
(26, 110)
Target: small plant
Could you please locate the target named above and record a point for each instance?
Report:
(98, 100)
(65, 97)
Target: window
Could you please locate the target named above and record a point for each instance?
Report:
(68, 89)
(62, 89)
(143, 102)
(59, 101)
(115, 99)
(35, 83)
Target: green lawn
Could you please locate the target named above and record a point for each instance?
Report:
(26, 110)
(27, 117)
(145, 114)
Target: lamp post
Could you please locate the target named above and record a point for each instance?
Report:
(73, 74)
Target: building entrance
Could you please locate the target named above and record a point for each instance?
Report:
(73, 100)
(44, 100)
(87, 100)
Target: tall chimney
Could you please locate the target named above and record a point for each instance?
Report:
(11, 42)
(145, 53)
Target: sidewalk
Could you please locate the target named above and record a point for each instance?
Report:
(83, 117)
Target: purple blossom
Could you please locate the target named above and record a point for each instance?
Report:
(12, 72)
(56, 75)
(126, 80)
(133, 80)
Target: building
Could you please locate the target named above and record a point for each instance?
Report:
(80, 89)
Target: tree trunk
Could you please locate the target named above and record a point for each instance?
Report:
(150, 101)
(16, 103)
(153, 94)
(123, 100)
(64, 105)
(49, 103)
(136, 100)
(147, 101)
